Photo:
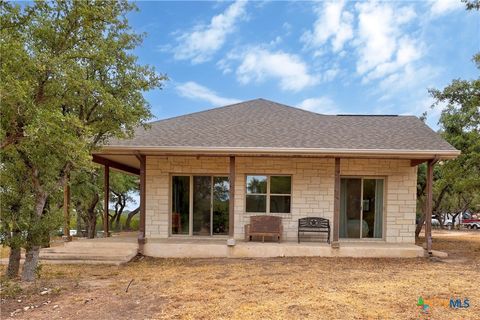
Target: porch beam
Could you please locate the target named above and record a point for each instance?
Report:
(115, 165)
(66, 210)
(428, 205)
(106, 199)
(231, 205)
(336, 206)
(141, 229)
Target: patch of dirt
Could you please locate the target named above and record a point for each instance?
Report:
(279, 288)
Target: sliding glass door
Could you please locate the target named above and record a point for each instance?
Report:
(361, 208)
(180, 205)
(221, 202)
(200, 205)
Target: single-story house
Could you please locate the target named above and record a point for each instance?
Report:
(204, 175)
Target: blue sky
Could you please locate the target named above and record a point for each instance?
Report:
(327, 57)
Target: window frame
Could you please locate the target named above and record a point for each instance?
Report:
(384, 207)
(268, 194)
(190, 205)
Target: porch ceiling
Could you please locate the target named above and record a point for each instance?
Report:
(124, 162)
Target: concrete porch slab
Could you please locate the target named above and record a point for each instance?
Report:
(217, 248)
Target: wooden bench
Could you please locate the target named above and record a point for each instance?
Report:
(314, 224)
(269, 226)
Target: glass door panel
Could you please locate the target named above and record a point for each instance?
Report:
(350, 207)
(180, 204)
(368, 207)
(202, 198)
(373, 208)
(221, 200)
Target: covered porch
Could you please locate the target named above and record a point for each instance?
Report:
(166, 244)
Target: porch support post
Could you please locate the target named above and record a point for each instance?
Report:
(141, 229)
(106, 199)
(336, 206)
(66, 210)
(231, 205)
(428, 205)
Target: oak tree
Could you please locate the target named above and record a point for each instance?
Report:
(69, 82)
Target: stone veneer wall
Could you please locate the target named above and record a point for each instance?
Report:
(312, 189)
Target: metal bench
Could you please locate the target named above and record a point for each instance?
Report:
(269, 226)
(314, 224)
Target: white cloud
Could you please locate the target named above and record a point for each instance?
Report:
(323, 105)
(287, 28)
(411, 79)
(330, 74)
(425, 105)
(259, 64)
(333, 22)
(195, 91)
(441, 7)
(276, 41)
(382, 45)
(203, 41)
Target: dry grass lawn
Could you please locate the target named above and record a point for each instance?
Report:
(281, 288)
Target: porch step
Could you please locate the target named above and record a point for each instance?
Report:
(107, 262)
(94, 256)
(100, 244)
(92, 251)
(103, 255)
(99, 252)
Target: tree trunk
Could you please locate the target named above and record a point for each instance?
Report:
(13, 262)
(31, 263)
(91, 217)
(441, 220)
(454, 219)
(33, 249)
(79, 224)
(131, 214)
(91, 228)
(117, 221)
(419, 226)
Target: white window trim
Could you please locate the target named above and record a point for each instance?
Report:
(268, 194)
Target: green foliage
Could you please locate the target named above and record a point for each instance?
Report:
(69, 83)
(16, 201)
(87, 195)
(87, 190)
(459, 179)
(10, 289)
(123, 183)
(134, 224)
(472, 4)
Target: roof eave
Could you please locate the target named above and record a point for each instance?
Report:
(327, 152)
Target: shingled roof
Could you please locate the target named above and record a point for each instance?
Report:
(266, 125)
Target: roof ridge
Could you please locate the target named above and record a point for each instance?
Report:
(206, 110)
(295, 108)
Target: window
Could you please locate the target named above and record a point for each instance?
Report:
(268, 194)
